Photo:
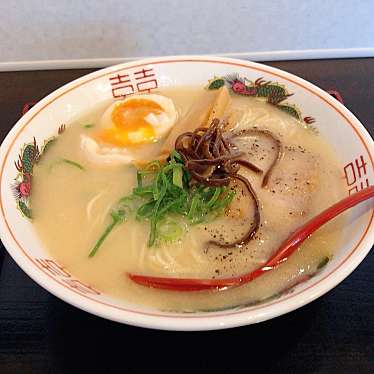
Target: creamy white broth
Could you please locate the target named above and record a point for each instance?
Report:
(71, 209)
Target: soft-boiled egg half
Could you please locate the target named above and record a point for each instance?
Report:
(126, 124)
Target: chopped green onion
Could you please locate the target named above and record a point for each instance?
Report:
(178, 177)
(145, 211)
(117, 217)
(88, 125)
(215, 196)
(152, 235)
(73, 163)
(65, 161)
(139, 178)
(193, 208)
(169, 230)
(323, 263)
(164, 196)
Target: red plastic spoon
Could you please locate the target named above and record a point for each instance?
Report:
(285, 250)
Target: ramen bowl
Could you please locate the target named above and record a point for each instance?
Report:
(310, 105)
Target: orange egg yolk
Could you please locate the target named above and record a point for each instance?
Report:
(129, 125)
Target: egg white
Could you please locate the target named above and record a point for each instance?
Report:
(99, 154)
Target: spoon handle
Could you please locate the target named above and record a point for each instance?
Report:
(287, 248)
(302, 233)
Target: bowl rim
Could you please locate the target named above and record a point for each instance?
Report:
(180, 321)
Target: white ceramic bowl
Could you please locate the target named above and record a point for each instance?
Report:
(342, 129)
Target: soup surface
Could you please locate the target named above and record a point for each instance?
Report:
(72, 205)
